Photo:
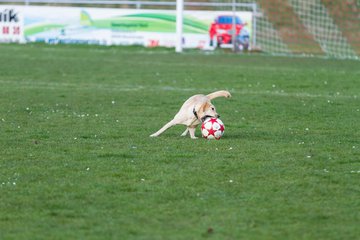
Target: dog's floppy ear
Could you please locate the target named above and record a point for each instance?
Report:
(202, 109)
(205, 106)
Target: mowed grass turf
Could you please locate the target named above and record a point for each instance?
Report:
(77, 161)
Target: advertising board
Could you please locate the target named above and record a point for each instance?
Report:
(11, 24)
(107, 26)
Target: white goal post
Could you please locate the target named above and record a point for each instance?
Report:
(179, 25)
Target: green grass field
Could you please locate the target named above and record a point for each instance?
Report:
(77, 161)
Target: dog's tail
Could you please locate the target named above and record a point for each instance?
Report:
(217, 94)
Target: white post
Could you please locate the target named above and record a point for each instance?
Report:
(255, 12)
(233, 37)
(179, 25)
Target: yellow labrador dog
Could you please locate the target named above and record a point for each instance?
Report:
(194, 111)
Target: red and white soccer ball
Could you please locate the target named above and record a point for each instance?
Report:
(212, 128)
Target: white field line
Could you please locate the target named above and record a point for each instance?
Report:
(117, 88)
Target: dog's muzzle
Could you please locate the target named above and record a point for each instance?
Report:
(204, 117)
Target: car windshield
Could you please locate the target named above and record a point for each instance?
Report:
(228, 20)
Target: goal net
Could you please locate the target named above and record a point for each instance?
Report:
(329, 28)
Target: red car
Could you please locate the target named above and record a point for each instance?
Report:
(221, 31)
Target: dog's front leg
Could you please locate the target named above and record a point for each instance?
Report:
(192, 132)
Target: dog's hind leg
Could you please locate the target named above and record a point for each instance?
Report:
(164, 128)
(185, 132)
